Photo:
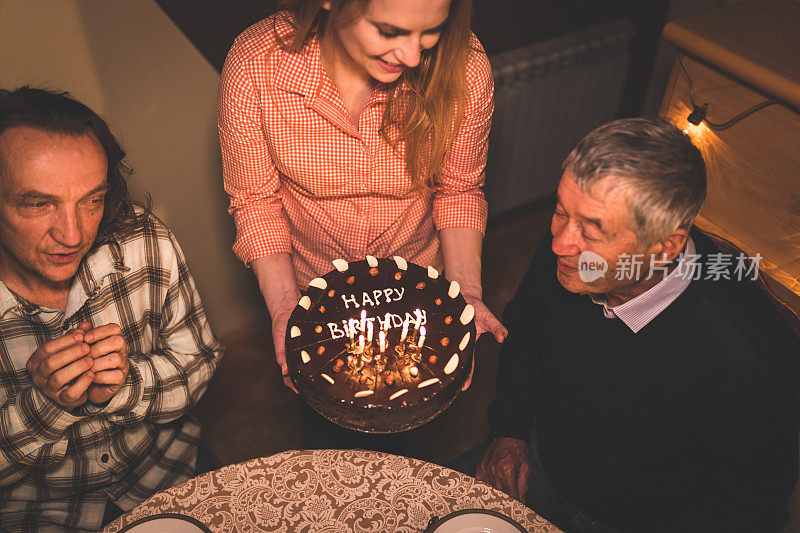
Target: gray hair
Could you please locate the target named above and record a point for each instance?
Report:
(665, 172)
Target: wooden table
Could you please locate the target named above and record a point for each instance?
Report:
(329, 491)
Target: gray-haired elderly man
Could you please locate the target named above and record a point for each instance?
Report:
(645, 384)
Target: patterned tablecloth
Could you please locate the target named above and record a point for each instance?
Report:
(329, 491)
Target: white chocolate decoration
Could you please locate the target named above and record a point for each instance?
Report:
(428, 382)
(433, 273)
(327, 378)
(467, 314)
(318, 283)
(341, 265)
(362, 393)
(451, 365)
(464, 342)
(294, 332)
(401, 263)
(371, 261)
(398, 394)
(454, 289)
(413, 371)
(304, 356)
(305, 303)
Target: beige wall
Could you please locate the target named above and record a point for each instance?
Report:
(129, 62)
(666, 51)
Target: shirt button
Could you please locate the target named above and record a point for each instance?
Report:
(364, 149)
(104, 458)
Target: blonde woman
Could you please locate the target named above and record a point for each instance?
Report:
(354, 127)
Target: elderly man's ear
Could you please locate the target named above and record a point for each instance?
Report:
(670, 247)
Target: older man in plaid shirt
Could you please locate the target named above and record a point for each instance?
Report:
(104, 344)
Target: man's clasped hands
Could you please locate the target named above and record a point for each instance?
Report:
(86, 363)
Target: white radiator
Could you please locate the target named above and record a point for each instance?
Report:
(547, 96)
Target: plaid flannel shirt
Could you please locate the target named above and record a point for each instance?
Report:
(303, 179)
(59, 468)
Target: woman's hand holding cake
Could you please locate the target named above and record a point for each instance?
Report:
(279, 289)
(461, 248)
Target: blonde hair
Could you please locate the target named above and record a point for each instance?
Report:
(425, 105)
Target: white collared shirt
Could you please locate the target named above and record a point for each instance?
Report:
(638, 312)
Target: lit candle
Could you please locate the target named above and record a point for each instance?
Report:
(417, 323)
(382, 340)
(404, 334)
(387, 321)
(363, 320)
(361, 343)
(351, 328)
(421, 337)
(369, 332)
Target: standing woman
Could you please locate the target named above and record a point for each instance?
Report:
(355, 127)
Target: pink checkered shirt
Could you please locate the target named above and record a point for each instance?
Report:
(303, 179)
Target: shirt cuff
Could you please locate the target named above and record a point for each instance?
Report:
(43, 416)
(126, 398)
(467, 210)
(259, 237)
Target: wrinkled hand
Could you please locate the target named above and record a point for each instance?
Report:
(279, 323)
(110, 354)
(506, 466)
(62, 369)
(485, 322)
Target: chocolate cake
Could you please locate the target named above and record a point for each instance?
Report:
(380, 345)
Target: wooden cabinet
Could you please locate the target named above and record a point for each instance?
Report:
(738, 56)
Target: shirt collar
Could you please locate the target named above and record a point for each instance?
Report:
(640, 311)
(300, 72)
(303, 73)
(92, 274)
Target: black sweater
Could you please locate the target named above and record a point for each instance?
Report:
(688, 425)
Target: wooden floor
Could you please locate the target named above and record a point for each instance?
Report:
(247, 412)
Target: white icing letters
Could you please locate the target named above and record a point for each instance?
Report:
(336, 331)
(412, 319)
(365, 298)
(351, 299)
(377, 295)
(373, 299)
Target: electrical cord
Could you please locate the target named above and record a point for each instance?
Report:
(699, 112)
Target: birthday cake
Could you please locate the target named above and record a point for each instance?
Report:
(380, 345)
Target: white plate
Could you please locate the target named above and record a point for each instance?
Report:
(476, 521)
(173, 523)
